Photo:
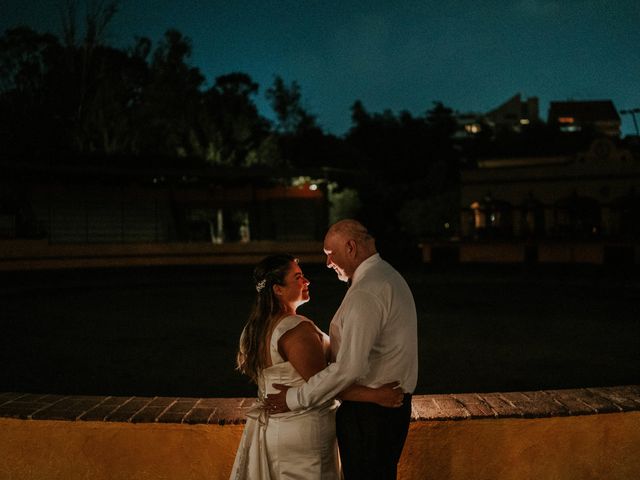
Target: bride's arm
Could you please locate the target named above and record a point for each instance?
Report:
(302, 346)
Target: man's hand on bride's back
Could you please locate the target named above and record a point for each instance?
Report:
(277, 402)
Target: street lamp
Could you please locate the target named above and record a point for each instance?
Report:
(632, 112)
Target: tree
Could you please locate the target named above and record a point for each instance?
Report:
(97, 18)
(302, 142)
(89, 80)
(359, 115)
(77, 96)
(107, 122)
(286, 102)
(28, 64)
(170, 101)
(231, 130)
(412, 171)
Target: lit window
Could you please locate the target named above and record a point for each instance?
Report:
(524, 121)
(566, 120)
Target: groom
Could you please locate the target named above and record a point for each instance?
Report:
(373, 342)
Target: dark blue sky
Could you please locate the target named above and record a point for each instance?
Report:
(401, 55)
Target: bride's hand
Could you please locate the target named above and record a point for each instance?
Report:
(389, 395)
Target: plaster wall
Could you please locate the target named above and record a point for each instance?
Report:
(585, 447)
(64, 450)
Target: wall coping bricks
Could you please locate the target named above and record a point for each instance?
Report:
(224, 411)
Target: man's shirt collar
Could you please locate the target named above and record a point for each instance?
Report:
(364, 266)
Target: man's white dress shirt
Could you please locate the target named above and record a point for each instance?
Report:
(374, 337)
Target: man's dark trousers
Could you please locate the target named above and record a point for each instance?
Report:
(371, 438)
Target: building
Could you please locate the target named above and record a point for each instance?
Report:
(575, 116)
(587, 195)
(82, 204)
(577, 208)
(514, 113)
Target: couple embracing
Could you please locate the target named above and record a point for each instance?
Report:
(369, 362)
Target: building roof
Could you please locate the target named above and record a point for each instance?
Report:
(514, 109)
(584, 111)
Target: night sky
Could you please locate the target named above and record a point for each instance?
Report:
(400, 55)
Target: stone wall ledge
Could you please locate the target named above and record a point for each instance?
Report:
(25, 255)
(225, 411)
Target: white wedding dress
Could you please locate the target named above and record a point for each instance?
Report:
(292, 445)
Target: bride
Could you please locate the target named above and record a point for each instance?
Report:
(277, 346)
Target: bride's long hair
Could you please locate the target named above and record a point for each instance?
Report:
(252, 357)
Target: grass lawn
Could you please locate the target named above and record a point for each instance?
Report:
(174, 331)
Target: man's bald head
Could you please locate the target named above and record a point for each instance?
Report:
(348, 244)
(351, 230)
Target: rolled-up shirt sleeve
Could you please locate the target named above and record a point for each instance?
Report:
(361, 316)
